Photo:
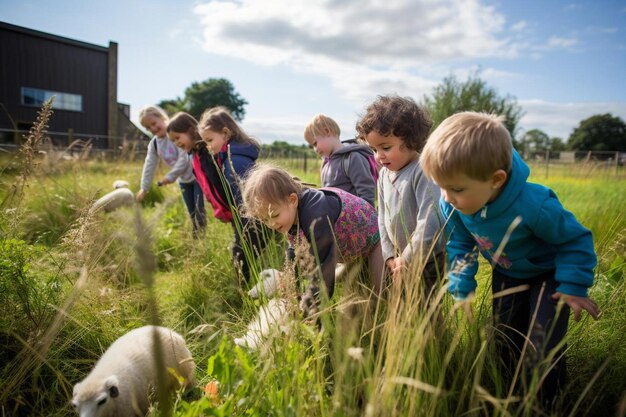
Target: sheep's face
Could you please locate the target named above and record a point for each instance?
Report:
(95, 401)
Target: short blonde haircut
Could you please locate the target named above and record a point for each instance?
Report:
(319, 125)
(154, 111)
(469, 143)
(266, 185)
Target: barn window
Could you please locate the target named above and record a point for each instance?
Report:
(62, 101)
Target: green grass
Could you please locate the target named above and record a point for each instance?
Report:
(407, 358)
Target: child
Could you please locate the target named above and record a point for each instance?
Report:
(235, 153)
(155, 120)
(183, 131)
(546, 257)
(396, 129)
(322, 134)
(339, 226)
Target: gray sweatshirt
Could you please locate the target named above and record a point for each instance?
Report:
(408, 213)
(173, 156)
(353, 175)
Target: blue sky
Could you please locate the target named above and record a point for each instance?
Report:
(563, 61)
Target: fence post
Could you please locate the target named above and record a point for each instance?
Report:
(616, 163)
(547, 162)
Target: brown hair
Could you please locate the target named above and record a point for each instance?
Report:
(183, 122)
(267, 184)
(470, 143)
(393, 115)
(219, 118)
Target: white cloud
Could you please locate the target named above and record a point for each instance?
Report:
(371, 47)
(363, 47)
(271, 129)
(519, 26)
(559, 42)
(560, 119)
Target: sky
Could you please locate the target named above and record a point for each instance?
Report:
(562, 61)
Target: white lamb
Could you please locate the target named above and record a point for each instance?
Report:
(121, 382)
(121, 197)
(272, 317)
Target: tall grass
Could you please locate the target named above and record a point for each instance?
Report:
(73, 286)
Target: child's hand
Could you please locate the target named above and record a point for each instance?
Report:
(578, 304)
(140, 195)
(397, 266)
(165, 181)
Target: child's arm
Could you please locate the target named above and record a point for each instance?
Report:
(323, 245)
(179, 168)
(385, 242)
(361, 177)
(575, 257)
(235, 166)
(462, 254)
(149, 166)
(428, 222)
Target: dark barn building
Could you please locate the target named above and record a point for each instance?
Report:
(83, 78)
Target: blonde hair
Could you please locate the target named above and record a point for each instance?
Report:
(470, 143)
(319, 125)
(219, 118)
(154, 111)
(265, 185)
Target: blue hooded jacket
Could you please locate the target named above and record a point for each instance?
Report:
(548, 237)
(236, 158)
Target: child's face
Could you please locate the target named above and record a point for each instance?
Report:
(182, 140)
(469, 195)
(324, 145)
(281, 217)
(390, 151)
(155, 125)
(215, 140)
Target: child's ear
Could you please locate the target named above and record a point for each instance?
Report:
(226, 132)
(498, 179)
(293, 200)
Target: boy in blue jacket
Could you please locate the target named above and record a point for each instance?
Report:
(539, 252)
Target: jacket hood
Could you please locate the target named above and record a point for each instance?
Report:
(352, 147)
(515, 184)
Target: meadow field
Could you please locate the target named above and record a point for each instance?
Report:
(72, 281)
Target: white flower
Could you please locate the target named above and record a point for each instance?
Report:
(356, 353)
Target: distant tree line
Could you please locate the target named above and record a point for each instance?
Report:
(601, 132)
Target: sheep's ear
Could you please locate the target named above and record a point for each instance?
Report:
(112, 385)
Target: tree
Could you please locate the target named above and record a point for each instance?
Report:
(205, 95)
(536, 141)
(602, 132)
(172, 106)
(453, 96)
(557, 144)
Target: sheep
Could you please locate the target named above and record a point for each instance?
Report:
(120, 196)
(272, 317)
(114, 200)
(121, 381)
(120, 184)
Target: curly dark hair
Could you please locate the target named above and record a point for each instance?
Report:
(397, 116)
